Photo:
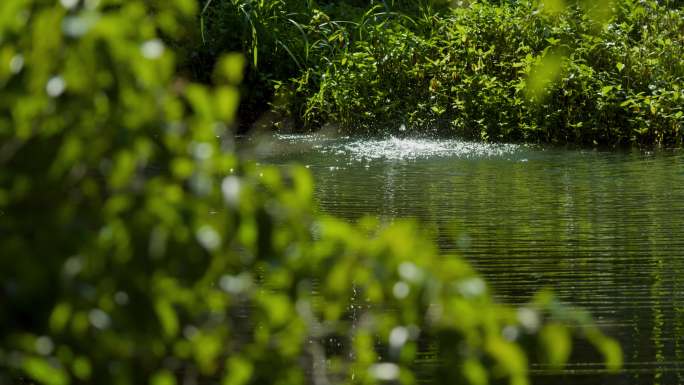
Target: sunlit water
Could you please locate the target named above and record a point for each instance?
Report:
(604, 229)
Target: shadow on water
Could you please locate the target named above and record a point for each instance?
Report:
(604, 229)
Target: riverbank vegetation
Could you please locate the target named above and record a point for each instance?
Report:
(137, 248)
(584, 72)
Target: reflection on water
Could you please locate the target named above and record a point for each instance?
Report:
(604, 229)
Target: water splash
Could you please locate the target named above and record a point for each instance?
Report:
(394, 148)
(410, 149)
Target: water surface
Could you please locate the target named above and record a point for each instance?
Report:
(603, 228)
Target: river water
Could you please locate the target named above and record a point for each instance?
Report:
(604, 229)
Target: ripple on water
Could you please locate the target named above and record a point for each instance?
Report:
(604, 229)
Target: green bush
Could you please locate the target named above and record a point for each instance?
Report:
(474, 77)
(137, 248)
(516, 71)
(285, 38)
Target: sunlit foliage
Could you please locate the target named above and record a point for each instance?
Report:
(587, 72)
(136, 248)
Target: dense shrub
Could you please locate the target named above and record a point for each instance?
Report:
(137, 248)
(283, 39)
(472, 77)
(509, 71)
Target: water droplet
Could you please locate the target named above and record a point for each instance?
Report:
(152, 49)
(208, 237)
(73, 266)
(68, 4)
(230, 187)
(528, 318)
(16, 64)
(121, 298)
(190, 332)
(510, 333)
(235, 284)
(55, 86)
(44, 345)
(401, 290)
(99, 319)
(77, 26)
(201, 151)
(385, 371)
(201, 184)
(472, 287)
(398, 337)
(410, 272)
(92, 4)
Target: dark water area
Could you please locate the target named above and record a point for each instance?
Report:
(604, 229)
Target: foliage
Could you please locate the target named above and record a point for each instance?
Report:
(515, 71)
(138, 249)
(285, 38)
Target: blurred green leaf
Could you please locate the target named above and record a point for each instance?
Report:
(43, 371)
(163, 377)
(543, 75)
(82, 368)
(552, 7)
(60, 317)
(475, 373)
(167, 317)
(230, 68)
(556, 344)
(239, 372)
(510, 359)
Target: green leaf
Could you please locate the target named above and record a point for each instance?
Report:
(167, 318)
(44, 372)
(541, 76)
(163, 377)
(556, 344)
(438, 110)
(238, 372)
(82, 368)
(474, 372)
(59, 317)
(612, 353)
(230, 68)
(552, 7)
(123, 170)
(509, 357)
(226, 101)
(207, 349)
